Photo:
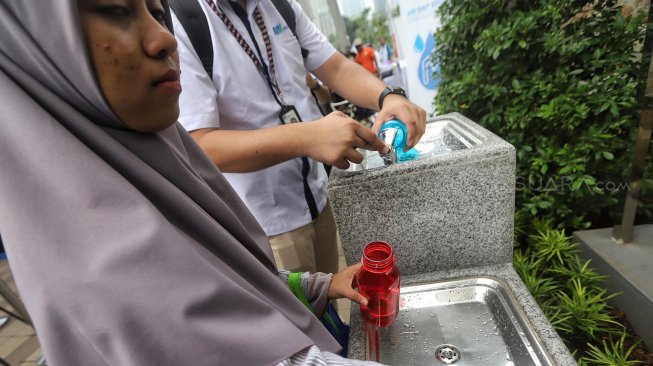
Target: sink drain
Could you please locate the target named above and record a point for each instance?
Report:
(447, 354)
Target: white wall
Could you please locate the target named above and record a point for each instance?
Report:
(412, 34)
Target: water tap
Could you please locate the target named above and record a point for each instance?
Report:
(394, 134)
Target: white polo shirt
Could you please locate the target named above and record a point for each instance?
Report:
(239, 98)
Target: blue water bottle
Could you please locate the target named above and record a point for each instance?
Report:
(395, 134)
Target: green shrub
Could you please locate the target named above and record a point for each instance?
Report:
(553, 246)
(561, 81)
(587, 310)
(613, 354)
(570, 294)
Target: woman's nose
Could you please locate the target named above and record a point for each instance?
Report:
(159, 41)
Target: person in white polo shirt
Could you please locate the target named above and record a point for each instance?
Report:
(242, 116)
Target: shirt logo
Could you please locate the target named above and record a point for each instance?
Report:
(279, 28)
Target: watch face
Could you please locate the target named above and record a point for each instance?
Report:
(399, 91)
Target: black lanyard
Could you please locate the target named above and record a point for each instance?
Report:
(269, 76)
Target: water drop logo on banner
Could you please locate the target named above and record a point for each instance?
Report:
(414, 30)
(427, 69)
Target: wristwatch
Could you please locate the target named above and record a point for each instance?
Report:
(390, 90)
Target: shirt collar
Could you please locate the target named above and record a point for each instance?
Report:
(250, 4)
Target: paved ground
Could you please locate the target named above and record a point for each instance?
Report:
(18, 343)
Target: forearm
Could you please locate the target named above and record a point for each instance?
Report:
(315, 287)
(241, 151)
(351, 81)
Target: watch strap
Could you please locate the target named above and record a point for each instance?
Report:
(387, 91)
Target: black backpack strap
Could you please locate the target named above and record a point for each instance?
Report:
(288, 15)
(191, 16)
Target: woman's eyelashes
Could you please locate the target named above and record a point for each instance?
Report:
(114, 12)
(157, 10)
(159, 15)
(121, 13)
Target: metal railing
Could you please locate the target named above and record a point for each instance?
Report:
(624, 233)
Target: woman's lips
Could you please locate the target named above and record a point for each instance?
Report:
(173, 86)
(169, 82)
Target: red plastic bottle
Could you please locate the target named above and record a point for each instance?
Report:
(378, 281)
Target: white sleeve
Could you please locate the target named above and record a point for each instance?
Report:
(198, 106)
(311, 39)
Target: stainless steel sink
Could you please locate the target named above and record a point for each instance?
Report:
(440, 137)
(472, 321)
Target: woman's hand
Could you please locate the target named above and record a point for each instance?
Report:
(343, 284)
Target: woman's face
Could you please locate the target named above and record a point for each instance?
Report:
(135, 60)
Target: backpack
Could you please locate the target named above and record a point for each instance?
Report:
(191, 16)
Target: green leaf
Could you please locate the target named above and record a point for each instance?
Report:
(576, 185)
(608, 155)
(566, 169)
(495, 53)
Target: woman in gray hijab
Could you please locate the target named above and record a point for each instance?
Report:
(128, 247)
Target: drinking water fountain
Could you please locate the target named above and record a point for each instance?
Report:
(446, 206)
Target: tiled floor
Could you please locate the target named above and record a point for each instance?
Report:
(20, 347)
(18, 343)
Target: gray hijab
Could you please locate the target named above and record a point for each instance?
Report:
(127, 248)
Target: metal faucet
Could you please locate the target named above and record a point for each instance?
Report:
(388, 136)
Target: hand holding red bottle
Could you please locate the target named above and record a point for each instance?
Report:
(343, 284)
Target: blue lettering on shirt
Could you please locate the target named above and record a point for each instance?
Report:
(279, 28)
